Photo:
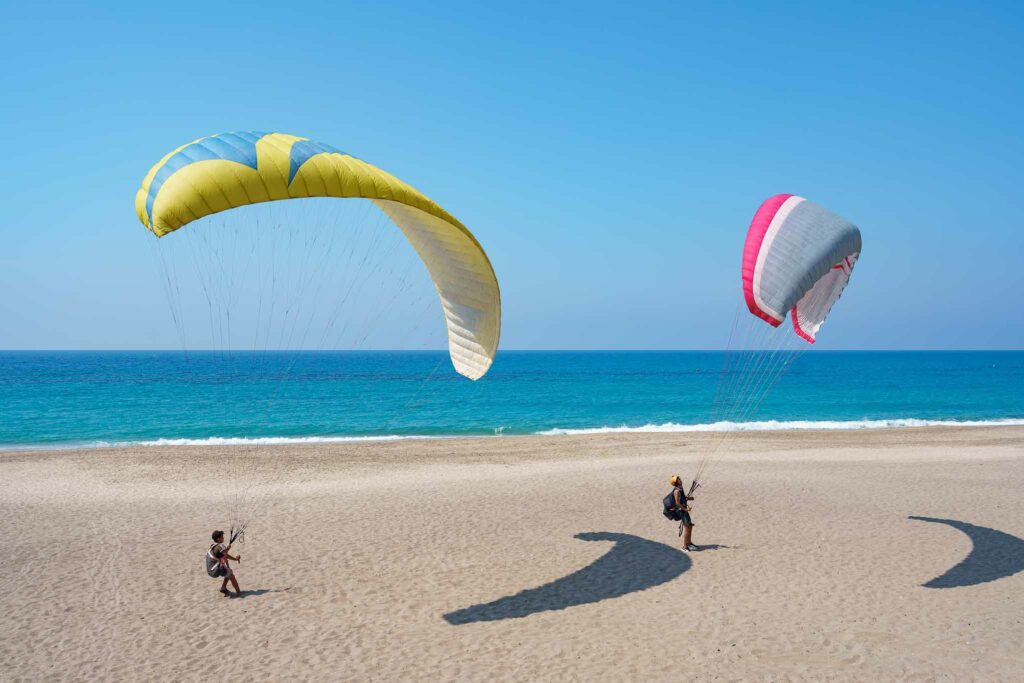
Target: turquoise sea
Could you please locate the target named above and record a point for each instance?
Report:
(53, 399)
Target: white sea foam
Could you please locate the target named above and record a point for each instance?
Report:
(267, 440)
(778, 425)
(668, 427)
(214, 441)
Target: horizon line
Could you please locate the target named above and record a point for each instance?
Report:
(512, 350)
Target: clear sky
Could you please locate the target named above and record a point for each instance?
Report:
(608, 157)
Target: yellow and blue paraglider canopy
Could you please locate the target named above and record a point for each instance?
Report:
(223, 172)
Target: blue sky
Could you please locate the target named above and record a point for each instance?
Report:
(608, 157)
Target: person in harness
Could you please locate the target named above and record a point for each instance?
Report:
(677, 510)
(217, 564)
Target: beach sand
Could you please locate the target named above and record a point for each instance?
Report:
(523, 558)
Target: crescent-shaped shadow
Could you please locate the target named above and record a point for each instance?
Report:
(633, 564)
(994, 555)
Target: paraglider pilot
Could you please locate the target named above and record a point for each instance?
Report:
(677, 510)
(220, 552)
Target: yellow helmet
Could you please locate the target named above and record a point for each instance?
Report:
(674, 480)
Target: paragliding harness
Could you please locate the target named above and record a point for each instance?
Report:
(217, 567)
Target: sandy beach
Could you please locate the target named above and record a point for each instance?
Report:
(524, 558)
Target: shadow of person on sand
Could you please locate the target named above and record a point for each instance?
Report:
(633, 564)
(256, 592)
(994, 555)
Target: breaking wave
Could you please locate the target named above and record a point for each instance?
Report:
(268, 440)
(666, 428)
(779, 425)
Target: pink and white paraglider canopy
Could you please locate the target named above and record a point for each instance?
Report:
(798, 258)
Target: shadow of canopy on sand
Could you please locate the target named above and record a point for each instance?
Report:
(994, 555)
(633, 564)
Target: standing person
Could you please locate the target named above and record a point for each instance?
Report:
(219, 552)
(677, 510)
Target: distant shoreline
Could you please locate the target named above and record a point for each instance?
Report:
(751, 428)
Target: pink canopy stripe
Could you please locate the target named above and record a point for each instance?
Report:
(755, 238)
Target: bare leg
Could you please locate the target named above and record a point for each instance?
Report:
(234, 582)
(687, 530)
(224, 584)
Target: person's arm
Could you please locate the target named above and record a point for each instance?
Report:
(233, 559)
(679, 503)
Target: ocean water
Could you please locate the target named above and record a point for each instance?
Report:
(54, 399)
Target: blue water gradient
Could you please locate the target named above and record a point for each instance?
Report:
(68, 398)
